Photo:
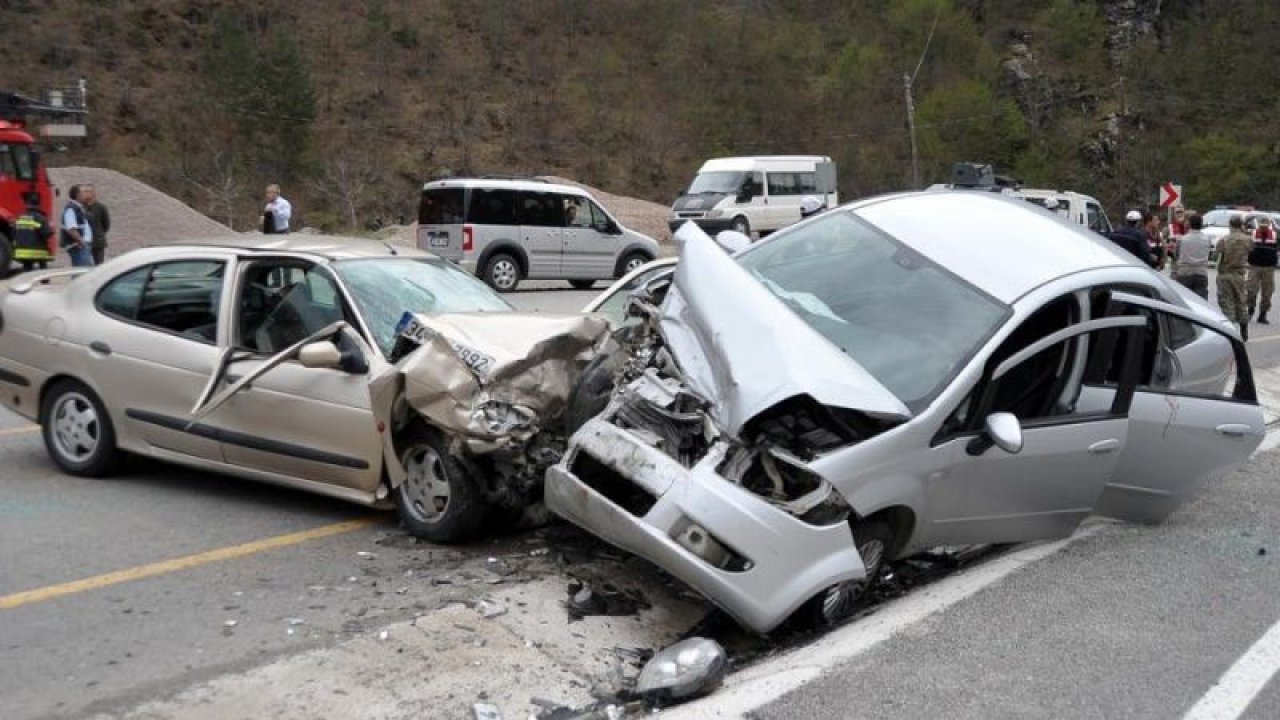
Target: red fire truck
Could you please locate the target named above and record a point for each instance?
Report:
(21, 169)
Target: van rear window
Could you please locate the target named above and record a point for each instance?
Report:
(441, 206)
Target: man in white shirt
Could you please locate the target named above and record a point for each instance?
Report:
(1192, 268)
(276, 215)
(76, 235)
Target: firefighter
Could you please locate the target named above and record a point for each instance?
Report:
(31, 236)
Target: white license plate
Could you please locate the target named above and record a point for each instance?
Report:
(438, 240)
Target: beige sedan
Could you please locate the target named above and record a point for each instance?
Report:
(341, 366)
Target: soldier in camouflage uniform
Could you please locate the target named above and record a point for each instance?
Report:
(1233, 254)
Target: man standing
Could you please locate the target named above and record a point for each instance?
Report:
(77, 235)
(31, 235)
(1192, 269)
(1132, 238)
(99, 221)
(276, 215)
(1233, 251)
(1155, 243)
(1262, 269)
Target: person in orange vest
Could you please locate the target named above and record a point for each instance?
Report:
(31, 236)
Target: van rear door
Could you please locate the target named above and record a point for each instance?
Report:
(441, 215)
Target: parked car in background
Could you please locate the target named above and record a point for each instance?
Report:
(1217, 221)
(505, 231)
(774, 427)
(339, 366)
(754, 194)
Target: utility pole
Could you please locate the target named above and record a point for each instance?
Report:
(911, 128)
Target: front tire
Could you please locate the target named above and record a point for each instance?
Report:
(502, 272)
(438, 501)
(77, 430)
(874, 541)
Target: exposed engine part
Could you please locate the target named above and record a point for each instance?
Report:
(807, 428)
(661, 407)
(783, 480)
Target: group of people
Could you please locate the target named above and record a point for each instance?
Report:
(1246, 263)
(86, 221)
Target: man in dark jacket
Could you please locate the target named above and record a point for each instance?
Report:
(31, 236)
(1262, 269)
(1133, 238)
(99, 220)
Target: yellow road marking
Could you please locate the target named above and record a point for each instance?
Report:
(182, 563)
(20, 431)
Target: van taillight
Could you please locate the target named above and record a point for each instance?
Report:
(468, 240)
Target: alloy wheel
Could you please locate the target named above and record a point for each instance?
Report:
(426, 487)
(76, 429)
(504, 273)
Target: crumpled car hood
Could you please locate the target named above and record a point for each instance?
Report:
(744, 351)
(493, 378)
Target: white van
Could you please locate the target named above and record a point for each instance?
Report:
(1078, 208)
(506, 230)
(759, 194)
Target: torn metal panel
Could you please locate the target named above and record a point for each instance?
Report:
(739, 346)
(497, 379)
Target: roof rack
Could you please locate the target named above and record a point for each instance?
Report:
(493, 176)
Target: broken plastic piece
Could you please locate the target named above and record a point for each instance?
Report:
(689, 669)
(490, 609)
(486, 711)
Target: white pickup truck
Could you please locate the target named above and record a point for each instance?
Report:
(1080, 209)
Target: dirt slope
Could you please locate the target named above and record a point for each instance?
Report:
(140, 214)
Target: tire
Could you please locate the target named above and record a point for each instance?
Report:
(77, 430)
(631, 261)
(591, 395)
(742, 225)
(874, 540)
(6, 253)
(582, 284)
(438, 501)
(502, 272)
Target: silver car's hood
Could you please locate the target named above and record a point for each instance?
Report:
(741, 349)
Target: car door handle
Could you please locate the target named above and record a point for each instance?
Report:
(1102, 447)
(100, 347)
(1233, 430)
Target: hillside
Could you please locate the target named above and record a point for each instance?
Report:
(352, 105)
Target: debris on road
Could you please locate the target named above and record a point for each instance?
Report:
(608, 600)
(689, 669)
(486, 711)
(490, 609)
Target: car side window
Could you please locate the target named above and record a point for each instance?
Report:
(541, 209)
(493, 207)
(783, 184)
(577, 212)
(1096, 219)
(283, 302)
(177, 297)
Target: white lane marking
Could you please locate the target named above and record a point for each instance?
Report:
(761, 684)
(1242, 682)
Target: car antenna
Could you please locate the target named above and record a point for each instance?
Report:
(388, 246)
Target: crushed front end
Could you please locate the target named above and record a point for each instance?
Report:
(703, 471)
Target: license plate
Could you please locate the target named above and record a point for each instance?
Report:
(438, 240)
(410, 329)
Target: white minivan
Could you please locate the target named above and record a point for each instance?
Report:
(754, 194)
(506, 230)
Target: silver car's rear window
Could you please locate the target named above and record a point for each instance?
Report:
(384, 288)
(908, 321)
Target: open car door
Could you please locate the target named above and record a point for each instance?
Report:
(1178, 438)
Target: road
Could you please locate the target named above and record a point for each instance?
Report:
(163, 592)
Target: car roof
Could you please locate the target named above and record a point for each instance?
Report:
(528, 185)
(1005, 246)
(332, 247)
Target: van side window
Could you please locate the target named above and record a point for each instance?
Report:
(493, 207)
(542, 209)
(783, 184)
(808, 182)
(598, 217)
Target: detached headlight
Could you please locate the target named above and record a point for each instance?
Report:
(688, 669)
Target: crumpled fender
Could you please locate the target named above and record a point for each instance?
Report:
(493, 379)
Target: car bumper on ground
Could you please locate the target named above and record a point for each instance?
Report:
(662, 515)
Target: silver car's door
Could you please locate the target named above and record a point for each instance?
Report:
(592, 241)
(542, 232)
(1178, 438)
(983, 494)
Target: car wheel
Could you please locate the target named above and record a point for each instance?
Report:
(582, 284)
(437, 501)
(740, 224)
(874, 541)
(502, 272)
(631, 262)
(77, 430)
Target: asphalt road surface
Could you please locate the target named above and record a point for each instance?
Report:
(135, 588)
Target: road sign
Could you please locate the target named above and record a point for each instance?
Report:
(1170, 195)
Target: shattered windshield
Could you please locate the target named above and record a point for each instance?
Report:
(906, 320)
(384, 288)
(720, 181)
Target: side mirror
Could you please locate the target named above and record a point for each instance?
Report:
(1001, 430)
(322, 354)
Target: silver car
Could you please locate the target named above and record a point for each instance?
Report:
(906, 372)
